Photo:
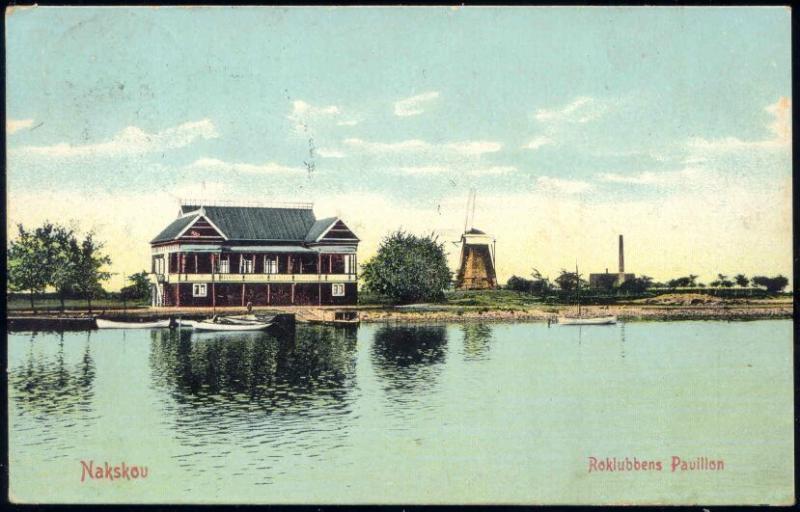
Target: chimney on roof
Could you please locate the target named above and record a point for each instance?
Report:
(621, 256)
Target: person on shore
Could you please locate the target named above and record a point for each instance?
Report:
(249, 306)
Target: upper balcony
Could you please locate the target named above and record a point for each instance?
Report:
(226, 278)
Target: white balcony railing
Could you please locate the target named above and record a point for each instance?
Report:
(261, 278)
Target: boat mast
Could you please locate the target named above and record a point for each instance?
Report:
(578, 288)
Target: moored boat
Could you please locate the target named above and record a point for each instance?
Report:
(207, 325)
(581, 319)
(110, 324)
(587, 320)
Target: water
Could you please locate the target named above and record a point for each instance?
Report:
(476, 413)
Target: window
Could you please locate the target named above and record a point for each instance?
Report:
(158, 264)
(224, 266)
(199, 290)
(246, 265)
(337, 290)
(270, 265)
(349, 263)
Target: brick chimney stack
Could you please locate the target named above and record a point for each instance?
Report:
(621, 256)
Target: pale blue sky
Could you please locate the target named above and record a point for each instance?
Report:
(640, 106)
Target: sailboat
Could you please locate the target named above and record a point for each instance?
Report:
(581, 319)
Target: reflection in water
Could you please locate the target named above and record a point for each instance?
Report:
(256, 393)
(257, 369)
(622, 339)
(47, 385)
(476, 340)
(408, 358)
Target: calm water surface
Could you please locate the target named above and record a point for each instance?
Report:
(477, 413)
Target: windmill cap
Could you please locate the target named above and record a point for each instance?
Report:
(474, 231)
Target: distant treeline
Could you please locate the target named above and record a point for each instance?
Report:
(567, 283)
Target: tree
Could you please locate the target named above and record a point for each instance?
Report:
(408, 268)
(24, 267)
(519, 284)
(772, 284)
(89, 269)
(139, 289)
(637, 284)
(741, 280)
(567, 281)
(722, 280)
(682, 282)
(540, 285)
(61, 250)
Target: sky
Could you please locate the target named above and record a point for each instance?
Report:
(671, 126)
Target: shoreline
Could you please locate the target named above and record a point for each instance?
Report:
(435, 313)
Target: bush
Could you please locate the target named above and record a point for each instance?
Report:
(408, 269)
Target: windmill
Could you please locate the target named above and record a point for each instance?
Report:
(477, 268)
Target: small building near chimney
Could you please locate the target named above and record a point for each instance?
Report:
(608, 280)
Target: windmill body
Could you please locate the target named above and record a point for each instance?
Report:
(477, 263)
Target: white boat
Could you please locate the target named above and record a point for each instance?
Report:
(109, 324)
(581, 319)
(587, 320)
(185, 323)
(206, 325)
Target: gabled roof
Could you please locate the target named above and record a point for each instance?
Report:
(252, 223)
(173, 230)
(319, 228)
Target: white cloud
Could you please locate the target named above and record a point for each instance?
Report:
(467, 148)
(424, 169)
(558, 185)
(304, 115)
(348, 122)
(538, 142)
(459, 168)
(330, 153)
(581, 110)
(474, 147)
(15, 125)
(414, 105)
(238, 167)
(780, 127)
(495, 170)
(130, 141)
(687, 176)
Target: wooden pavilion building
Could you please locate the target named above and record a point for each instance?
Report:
(234, 255)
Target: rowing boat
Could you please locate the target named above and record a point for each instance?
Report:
(110, 324)
(587, 320)
(218, 326)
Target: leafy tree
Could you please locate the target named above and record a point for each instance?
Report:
(89, 269)
(408, 268)
(568, 281)
(138, 289)
(519, 284)
(25, 271)
(61, 249)
(741, 280)
(682, 282)
(772, 284)
(539, 285)
(722, 280)
(637, 284)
